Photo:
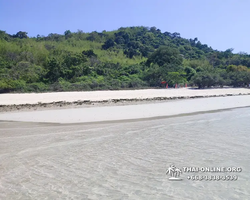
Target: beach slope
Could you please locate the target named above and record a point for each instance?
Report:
(100, 96)
(129, 112)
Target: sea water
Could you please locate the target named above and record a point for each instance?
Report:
(126, 160)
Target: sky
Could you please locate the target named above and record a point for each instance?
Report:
(221, 24)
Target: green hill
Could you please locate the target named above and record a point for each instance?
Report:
(133, 57)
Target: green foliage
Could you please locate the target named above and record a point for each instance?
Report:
(89, 53)
(108, 44)
(234, 68)
(7, 85)
(239, 79)
(176, 77)
(67, 34)
(21, 35)
(207, 79)
(190, 72)
(132, 57)
(37, 87)
(165, 56)
(153, 75)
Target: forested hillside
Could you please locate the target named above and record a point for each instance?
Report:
(133, 57)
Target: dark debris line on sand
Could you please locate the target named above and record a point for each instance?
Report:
(64, 104)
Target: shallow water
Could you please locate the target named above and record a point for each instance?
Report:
(125, 160)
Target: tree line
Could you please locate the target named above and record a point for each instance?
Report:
(132, 57)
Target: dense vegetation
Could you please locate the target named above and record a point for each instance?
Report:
(133, 57)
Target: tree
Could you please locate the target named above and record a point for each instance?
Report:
(130, 53)
(153, 75)
(89, 53)
(21, 35)
(176, 35)
(239, 68)
(175, 77)
(240, 78)
(4, 35)
(67, 34)
(108, 44)
(190, 72)
(127, 57)
(26, 71)
(165, 55)
(206, 79)
(228, 53)
(54, 70)
(54, 37)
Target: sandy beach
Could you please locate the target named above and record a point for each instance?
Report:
(121, 150)
(104, 106)
(34, 98)
(125, 113)
(58, 100)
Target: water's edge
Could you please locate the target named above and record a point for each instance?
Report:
(84, 103)
(128, 120)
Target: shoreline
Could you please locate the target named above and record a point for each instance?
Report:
(129, 120)
(34, 101)
(129, 113)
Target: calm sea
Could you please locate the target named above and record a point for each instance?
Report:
(126, 160)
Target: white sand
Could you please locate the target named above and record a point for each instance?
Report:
(125, 161)
(129, 112)
(34, 98)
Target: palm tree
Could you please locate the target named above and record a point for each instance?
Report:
(177, 172)
(171, 170)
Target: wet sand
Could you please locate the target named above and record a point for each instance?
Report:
(129, 112)
(119, 152)
(59, 100)
(125, 160)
